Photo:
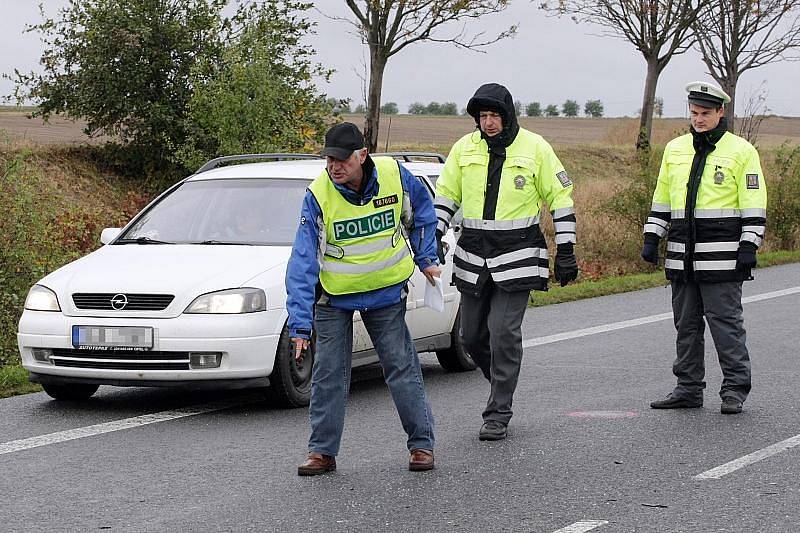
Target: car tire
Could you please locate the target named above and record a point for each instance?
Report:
(290, 381)
(69, 391)
(455, 358)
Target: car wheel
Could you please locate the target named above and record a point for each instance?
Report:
(290, 381)
(69, 391)
(455, 358)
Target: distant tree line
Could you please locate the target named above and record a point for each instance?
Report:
(570, 108)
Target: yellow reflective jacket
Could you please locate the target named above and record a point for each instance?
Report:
(510, 246)
(730, 208)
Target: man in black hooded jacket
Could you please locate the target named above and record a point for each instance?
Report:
(499, 176)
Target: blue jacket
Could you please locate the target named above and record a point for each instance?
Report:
(302, 273)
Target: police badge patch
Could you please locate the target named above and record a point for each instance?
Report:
(564, 179)
(719, 177)
(519, 182)
(752, 181)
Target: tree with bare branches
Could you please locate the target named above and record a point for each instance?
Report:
(388, 26)
(735, 36)
(659, 29)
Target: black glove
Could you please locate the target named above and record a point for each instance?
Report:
(650, 248)
(746, 259)
(440, 247)
(566, 268)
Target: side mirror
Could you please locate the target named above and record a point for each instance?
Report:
(109, 234)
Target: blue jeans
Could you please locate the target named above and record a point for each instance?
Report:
(330, 381)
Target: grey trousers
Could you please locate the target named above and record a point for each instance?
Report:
(721, 303)
(490, 327)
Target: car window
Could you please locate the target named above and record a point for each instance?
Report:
(261, 211)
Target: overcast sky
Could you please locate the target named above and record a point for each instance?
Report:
(550, 60)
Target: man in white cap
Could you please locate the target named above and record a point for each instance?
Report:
(711, 202)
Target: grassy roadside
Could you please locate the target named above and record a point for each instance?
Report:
(635, 282)
(14, 379)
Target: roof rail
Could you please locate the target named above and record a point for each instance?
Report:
(408, 156)
(214, 163)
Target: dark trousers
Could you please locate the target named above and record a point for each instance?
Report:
(721, 304)
(490, 326)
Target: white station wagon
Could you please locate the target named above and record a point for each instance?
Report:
(191, 292)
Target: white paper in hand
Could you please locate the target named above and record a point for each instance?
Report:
(434, 295)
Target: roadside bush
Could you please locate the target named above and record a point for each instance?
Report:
(631, 201)
(42, 228)
(27, 252)
(783, 205)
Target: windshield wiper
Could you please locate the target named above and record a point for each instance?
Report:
(142, 240)
(228, 243)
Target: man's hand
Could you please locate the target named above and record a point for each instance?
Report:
(440, 247)
(746, 258)
(300, 346)
(650, 253)
(566, 268)
(431, 272)
(650, 248)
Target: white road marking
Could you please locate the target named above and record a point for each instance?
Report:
(605, 328)
(769, 451)
(582, 527)
(164, 416)
(119, 425)
(567, 335)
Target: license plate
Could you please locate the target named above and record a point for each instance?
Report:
(121, 338)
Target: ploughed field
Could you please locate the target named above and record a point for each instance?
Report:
(441, 131)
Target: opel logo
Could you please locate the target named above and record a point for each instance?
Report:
(119, 301)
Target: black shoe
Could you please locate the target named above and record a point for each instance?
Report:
(672, 402)
(493, 430)
(730, 406)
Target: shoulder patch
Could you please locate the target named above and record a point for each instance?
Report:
(752, 181)
(564, 178)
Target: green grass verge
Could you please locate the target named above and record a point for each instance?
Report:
(14, 380)
(635, 282)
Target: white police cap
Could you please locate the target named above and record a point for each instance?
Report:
(706, 95)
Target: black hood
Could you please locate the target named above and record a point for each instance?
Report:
(495, 97)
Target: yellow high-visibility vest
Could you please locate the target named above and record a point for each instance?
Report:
(364, 247)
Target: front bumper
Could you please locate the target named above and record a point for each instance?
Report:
(247, 344)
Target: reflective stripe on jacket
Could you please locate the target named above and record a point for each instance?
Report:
(364, 248)
(510, 247)
(731, 207)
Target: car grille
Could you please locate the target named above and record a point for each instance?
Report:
(134, 302)
(121, 359)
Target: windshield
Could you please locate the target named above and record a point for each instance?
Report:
(254, 211)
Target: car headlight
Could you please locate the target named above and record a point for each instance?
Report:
(231, 301)
(40, 298)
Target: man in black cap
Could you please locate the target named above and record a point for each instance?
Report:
(349, 255)
(499, 176)
(711, 202)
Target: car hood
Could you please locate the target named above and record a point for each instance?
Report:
(185, 271)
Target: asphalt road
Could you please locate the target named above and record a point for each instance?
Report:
(584, 453)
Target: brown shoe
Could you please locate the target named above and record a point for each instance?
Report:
(316, 464)
(420, 460)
